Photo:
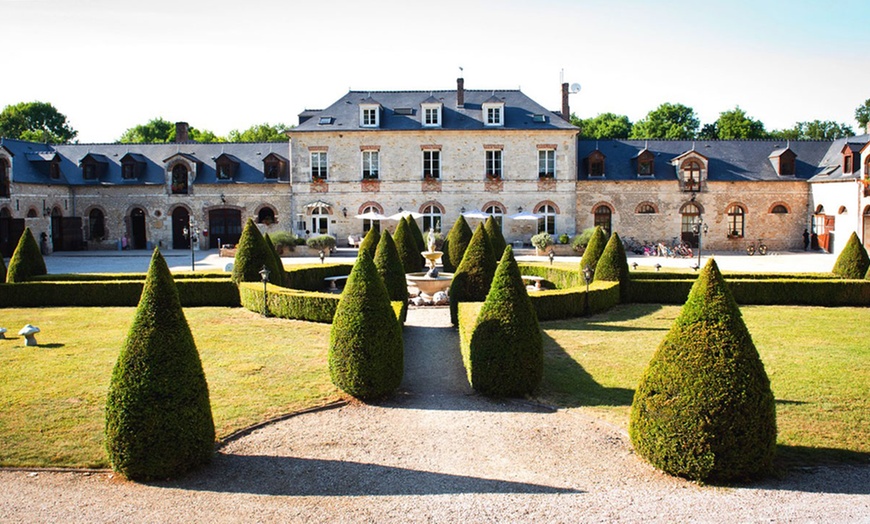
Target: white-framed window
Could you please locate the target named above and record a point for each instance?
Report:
(369, 223)
(432, 115)
(493, 113)
(431, 163)
(432, 218)
(547, 222)
(319, 165)
(369, 116)
(319, 221)
(546, 163)
(497, 214)
(370, 165)
(493, 163)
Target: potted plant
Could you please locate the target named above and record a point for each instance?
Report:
(542, 243)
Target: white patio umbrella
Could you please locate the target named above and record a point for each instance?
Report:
(402, 214)
(476, 214)
(525, 215)
(371, 215)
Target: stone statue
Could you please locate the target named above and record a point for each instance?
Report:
(431, 240)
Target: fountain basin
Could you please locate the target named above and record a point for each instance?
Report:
(428, 285)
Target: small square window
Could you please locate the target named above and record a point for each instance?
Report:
(325, 121)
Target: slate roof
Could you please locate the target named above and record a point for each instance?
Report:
(519, 112)
(831, 166)
(249, 155)
(729, 160)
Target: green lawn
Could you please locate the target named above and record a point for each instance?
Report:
(818, 361)
(52, 397)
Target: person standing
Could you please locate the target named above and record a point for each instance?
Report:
(806, 240)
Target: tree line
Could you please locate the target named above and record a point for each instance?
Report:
(42, 122)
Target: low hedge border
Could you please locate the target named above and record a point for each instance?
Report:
(295, 304)
(309, 277)
(114, 293)
(831, 292)
(670, 275)
(102, 277)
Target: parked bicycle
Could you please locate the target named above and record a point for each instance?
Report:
(761, 248)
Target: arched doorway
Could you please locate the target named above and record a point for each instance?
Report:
(56, 229)
(180, 221)
(137, 229)
(224, 227)
(96, 225)
(690, 214)
(603, 218)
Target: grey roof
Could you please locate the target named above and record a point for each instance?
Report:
(831, 166)
(519, 111)
(729, 160)
(249, 156)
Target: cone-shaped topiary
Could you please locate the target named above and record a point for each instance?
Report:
(455, 245)
(26, 261)
(406, 246)
(473, 277)
(704, 409)
(366, 351)
(158, 417)
(277, 259)
(252, 254)
(613, 266)
(390, 268)
(594, 249)
(853, 260)
(418, 238)
(493, 230)
(370, 242)
(506, 355)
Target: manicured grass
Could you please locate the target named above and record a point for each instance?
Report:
(52, 397)
(818, 361)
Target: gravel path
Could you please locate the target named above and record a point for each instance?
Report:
(436, 452)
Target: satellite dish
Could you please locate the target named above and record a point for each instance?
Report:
(575, 88)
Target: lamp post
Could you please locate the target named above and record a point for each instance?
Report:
(552, 256)
(264, 275)
(698, 228)
(191, 233)
(587, 276)
(322, 255)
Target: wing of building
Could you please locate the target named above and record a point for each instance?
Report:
(437, 154)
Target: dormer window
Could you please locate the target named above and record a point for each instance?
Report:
(93, 166)
(226, 166)
(691, 170)
(645, 163)
(54, 169)
(690, 174)
(783, 161)
(274, 166)
(132, 166)
(179, 179)
(786, 166)
(847, 163)
(431, 109)
(369, 113)
(595, 164)
(493, 111)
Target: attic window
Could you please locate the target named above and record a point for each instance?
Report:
(89, 172)
(54, 170)
(847, 164)
(325, 121)
(406, 111)
(541, 119)
(786, 165)
(369, 115)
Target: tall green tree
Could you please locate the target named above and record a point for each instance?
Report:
(668, 121)
(159, 130)
(603, 126)
(493, 230)
(734, 124)
(260, 133)
(390, 268)
(862, 115)
(407, 247)
(815, 130)
(158, 415)
(37, 122)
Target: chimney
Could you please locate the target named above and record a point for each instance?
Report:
(460, 92)
(566, 111)
(181, 132)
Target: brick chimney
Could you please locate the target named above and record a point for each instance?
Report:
(460, 92)
(566, 111)
(181, 132)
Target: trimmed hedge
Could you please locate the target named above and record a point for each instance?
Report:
(613, 266)
(114, 293)
(309, 277)
(455, 244)
(370, 242)
(252, 255)
(473, 277)
(407, 247)
(555, 304)
(26, 261)
(594, 249)
(104, 277)
(496, 238)
(853, 261)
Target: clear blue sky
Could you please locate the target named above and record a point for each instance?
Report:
(110, 65)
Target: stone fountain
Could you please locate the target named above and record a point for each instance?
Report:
(431, 281)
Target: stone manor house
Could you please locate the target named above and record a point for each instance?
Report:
(438, 154)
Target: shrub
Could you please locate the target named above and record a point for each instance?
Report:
(582, 240)
(455, 245)
(252, 254)
(493, 230)
(366, 351)
(505, 355)
(593, 249)
(853, 260)
(542, 241)
(158, 416)
(276, 258)
(390, 268)
(564, 238)
(406, 246)
(285, 240)
(613, 265)
(704, 409)
(474, 275)
(370, 242)
(321, 242)
(417, 234)
(26, 261)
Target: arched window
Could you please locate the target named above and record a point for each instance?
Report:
(603, 218)
(5, 213)
(779, 209)
(96, 225)
(179, 180)
(645, 208)
(497, 213)
(266, 216)
(432, 218)
(690, 214)
(32, 213)
(371, 224)
(319, 221)
(736, 220)
(547, 220)
(691, 175)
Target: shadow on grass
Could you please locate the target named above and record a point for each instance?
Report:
(306, 477)
(568, 385)
(804, 456)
